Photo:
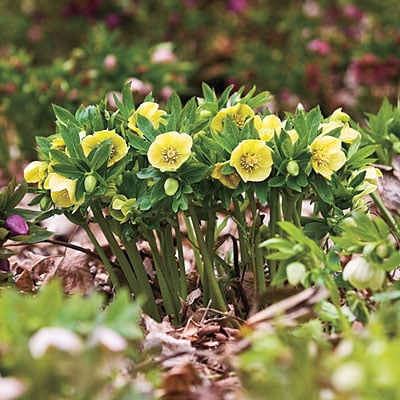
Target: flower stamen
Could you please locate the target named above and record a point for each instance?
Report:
(170, 155)
(250, 162)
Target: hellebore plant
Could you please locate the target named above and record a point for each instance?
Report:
(165, 174)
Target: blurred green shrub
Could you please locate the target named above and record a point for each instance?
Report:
(57, 347)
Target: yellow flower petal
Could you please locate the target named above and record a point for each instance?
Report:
(62, 190)
(35, 172)
(339, 115)
(119, 148)
(348, 135)
(240, 113)
(327, 156)
(151, 112)
(169, 151)
(231, 181)
(268, 126)
(252, 160)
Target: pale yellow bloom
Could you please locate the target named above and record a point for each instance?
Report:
(362, 275)
(327, 156)
(370, 183)
(231, 181)
(62, 190)
(169, 151)
(347, 134)
(58, 144)
(119, 148)
(150, 111)
(252, 160)
(35, 172)
(240, 113)
(339, 115)
(268, 126)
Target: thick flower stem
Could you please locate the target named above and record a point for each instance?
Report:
(102, 255)
(116, 249)
(170, 299)
(386, 214)
(242, 233)
(255, 250)
(136, 261)
(216, 295)
(274, 217)
(181, 260)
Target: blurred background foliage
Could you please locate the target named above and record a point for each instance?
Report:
(336, 54)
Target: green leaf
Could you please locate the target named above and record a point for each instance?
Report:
(323, 189)
(99, 156)
(17, 195)
(68, 170)
(392, 263)
(65, 117)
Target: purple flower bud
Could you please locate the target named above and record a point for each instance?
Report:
(4, 265)
(16, 225)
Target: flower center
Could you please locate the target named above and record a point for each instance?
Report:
(320, 158)
(170, 155)
(239, 119)
(250, 162)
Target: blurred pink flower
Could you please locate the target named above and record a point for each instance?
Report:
(110, 63)
(319, 46)
(113, 21)
(35, 33)
(166, 92)
(237, 6)
(111, 100)
(353, 12)
(163, 54)
(313, 76)
(139, 86)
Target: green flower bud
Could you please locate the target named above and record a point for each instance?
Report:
(292, 168)
(382, 251)
(90, 183)
(171, 185)
(295, 272)
(45, 203)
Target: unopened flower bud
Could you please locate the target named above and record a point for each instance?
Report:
(4, 265)
(90, 183)
(295, 272)
(45, 203)
(16, 225)
(171, 185)
(292, 168)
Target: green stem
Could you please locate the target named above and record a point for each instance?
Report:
(255, 251)
(102, 255)
(243, 240)
(274, 218)
(171, 301)
(217, 298)
(197, 257)
(386, 214)
(135, 259)
(116, 249)
(181, 259)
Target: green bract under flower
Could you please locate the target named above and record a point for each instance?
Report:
(119, 148)
(252, 160)
(169, 151)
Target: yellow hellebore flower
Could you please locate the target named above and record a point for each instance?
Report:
(252, 160)
(119, 148)
(231, 181)
(58, 144)
(240, 113)
(339, 115)
(149, 110)
(35, 172)
(327, 156)
(347, 134)
(62, 190)
(170, 150)
(268, 126)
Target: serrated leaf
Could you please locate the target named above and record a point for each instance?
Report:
(65, 117)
